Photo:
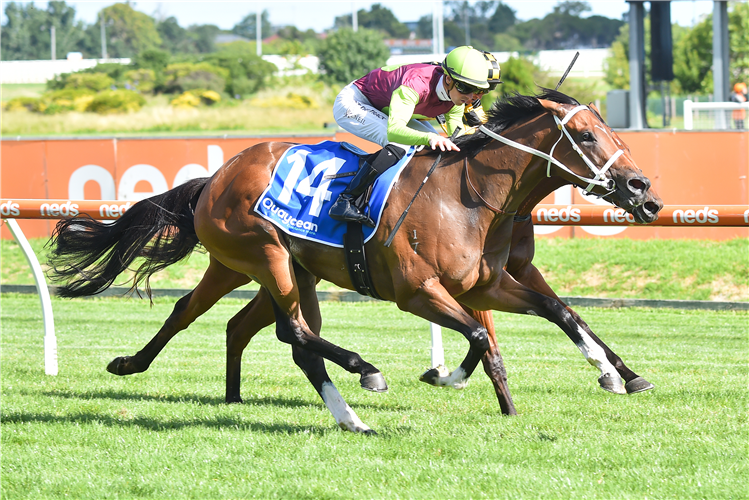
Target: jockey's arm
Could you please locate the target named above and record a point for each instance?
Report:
(402, 105)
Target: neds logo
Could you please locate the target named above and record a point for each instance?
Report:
(113, 210)
(67, 209)
(617, 215)
(700, 216)
(10, 209)
(566, 214)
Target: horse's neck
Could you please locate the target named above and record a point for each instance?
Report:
(524, 182)
(543, 189)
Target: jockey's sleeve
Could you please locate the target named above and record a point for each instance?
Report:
(401, 110)
(402, 105)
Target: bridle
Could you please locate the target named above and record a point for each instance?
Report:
(599, 178)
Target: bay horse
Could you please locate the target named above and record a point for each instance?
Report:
(464, 233)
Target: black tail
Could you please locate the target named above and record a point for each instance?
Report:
(88, 255)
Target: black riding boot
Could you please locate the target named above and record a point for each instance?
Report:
(344, 208)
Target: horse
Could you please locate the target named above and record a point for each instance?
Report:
(465, 233)
(258, 313)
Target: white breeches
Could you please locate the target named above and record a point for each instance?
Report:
(354, 113)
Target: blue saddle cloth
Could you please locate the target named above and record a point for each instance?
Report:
(304, 186)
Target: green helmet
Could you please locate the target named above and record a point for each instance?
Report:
(468, 65)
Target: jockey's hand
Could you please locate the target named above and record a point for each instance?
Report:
(445, 144)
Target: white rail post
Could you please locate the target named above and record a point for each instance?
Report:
(50, 340)
(438, 353)
(688, 123)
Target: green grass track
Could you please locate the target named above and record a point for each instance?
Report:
(166, 433)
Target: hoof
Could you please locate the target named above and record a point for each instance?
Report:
(432, 375)
(638, 384)
(234, 400)
(374, 382)
(369, 432)
(611, 384)
(116, 366)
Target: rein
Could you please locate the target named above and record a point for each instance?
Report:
(600, 177)
(488, 205)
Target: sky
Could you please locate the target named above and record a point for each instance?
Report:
(319, 15)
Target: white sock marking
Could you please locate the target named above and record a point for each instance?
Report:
(342, 412)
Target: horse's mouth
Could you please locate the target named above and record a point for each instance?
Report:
(638, 200)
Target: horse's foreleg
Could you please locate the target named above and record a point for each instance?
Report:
(433, 303)
(508, 295)
(217, 282)
(494, 365)
(519, 266)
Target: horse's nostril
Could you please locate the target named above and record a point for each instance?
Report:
(651, 207)
(637, 185)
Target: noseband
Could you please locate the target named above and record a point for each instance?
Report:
(599, 178)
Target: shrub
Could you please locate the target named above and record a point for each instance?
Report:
(92, 81)
(116, 101)
(201, 80)
(347, 55)
(291, 100)
(196, 97)
(144, 80)
(194, 75)
(186, 100)
(23, 103)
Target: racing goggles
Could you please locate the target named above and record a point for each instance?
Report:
(466, 88)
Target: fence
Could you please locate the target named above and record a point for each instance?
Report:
(715, 115)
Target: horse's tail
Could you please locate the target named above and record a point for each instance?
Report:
(88, 255)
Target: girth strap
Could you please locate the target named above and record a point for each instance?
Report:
(356, 260)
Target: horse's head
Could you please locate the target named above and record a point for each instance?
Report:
(599, 161)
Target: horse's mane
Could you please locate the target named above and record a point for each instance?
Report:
(508, 111)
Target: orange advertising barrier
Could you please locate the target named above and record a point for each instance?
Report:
(553, 215)
(685, 167)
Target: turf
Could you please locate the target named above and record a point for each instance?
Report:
(166, 433)
(616, 268)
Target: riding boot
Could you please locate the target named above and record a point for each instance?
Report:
(344, 209)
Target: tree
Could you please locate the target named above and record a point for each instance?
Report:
(565, 29)
(174, 38)
(204, 37)
(502, 19)
(128, 31)
(377, 18)
(347, 55)
(247, 27)
(26, 34)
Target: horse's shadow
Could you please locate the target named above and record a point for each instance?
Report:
(278, 402)
(156, 424)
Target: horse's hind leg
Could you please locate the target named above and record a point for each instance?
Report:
(239, 331)
(217, 281)
(433, 303)
(494, 365)
(313, 366)
(520, 267)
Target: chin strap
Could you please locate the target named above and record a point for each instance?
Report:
(599, 178)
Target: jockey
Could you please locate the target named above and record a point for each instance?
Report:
(474, 114)
(387, 107)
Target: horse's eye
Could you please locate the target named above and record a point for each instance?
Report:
(587, 137)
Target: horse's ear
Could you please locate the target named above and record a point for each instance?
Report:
(553, 107)
(594, 108)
